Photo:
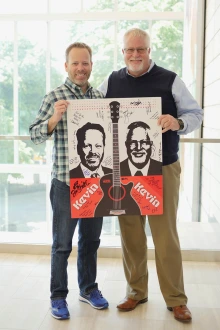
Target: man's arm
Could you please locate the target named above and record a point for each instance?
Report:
(187, 108)
(47, 119)
(188, 111)
(39, 128)
(60, 108)
(104, 86)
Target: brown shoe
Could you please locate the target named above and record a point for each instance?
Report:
(128, 304)
(181, 313)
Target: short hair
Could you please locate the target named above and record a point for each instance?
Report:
(134, 125)
(136, 32)
(78, 45)
(81, 133)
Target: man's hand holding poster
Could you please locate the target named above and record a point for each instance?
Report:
(115, 157)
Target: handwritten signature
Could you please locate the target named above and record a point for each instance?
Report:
(77, 116)
(73, 160)
(160, 153)
(155, 116)
(136, 102)
(108, 161)
(77, 187)
(100, 114)
(148, 108)
(110, 127)
(154, 182)
(127, 114)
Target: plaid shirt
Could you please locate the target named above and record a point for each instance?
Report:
(38, 129)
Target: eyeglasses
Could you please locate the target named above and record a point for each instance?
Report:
(139, 50)
(133, 144)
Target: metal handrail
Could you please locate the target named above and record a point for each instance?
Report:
(187, 140)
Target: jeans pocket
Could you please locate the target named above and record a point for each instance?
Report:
(60, 185)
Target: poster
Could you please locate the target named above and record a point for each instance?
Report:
(115, 157)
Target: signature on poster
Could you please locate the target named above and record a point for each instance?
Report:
(160, 152)
(148, 108)
(123, 137)
(78, 203)
(78, 187)
(127, 114)
(110, 127)
(116, 197)
(155, 135)
(108, 161)
(100, 114)
(154, 182)
(155, 116)
(77, 116)
(74, 160)
(138, 102)
(152, 199)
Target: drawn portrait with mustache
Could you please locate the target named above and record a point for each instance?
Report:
(90, 148)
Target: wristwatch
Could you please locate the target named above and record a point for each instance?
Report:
(181, 124)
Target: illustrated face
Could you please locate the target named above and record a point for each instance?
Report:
(92, 151)
(137, 62)
(79, 67)
(139, 147)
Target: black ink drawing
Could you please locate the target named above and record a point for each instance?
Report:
(115, 148)
(90, 148)
(117, 198)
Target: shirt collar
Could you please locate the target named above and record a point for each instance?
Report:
(134, 169)
(74, 87)
(87, 173)
(150, 67)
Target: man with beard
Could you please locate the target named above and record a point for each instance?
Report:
(90, 148)
(52, 120)
(181, 114)
(139, 150)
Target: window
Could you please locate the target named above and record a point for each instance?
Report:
(32, 63)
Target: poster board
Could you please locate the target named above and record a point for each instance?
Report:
(110, 141)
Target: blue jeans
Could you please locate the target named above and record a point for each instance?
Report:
(89, 232)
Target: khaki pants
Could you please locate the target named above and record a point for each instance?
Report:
(166, 241)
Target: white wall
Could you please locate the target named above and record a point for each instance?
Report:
(211, 128)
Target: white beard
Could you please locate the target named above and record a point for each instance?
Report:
(135, 67)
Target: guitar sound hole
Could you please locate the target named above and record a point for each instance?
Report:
(117, 193)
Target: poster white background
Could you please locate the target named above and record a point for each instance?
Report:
(80, 112)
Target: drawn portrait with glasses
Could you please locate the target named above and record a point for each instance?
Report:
(139, 149)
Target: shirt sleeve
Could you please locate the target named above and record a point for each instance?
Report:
(187, 108)
(104, 86)
(39, 128)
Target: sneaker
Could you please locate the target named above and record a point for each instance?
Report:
(94, 298)
(59, 309)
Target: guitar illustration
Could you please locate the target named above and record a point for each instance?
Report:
(117, 197)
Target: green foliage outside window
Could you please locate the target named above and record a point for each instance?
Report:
(18, 108)
(166, 36)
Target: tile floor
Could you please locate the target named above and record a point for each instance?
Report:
(25, 305)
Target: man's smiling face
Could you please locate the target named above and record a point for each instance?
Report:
(139, 147)
(136, 62)
(92, 151)
(79, 67)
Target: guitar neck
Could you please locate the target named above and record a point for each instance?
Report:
(116, 160)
